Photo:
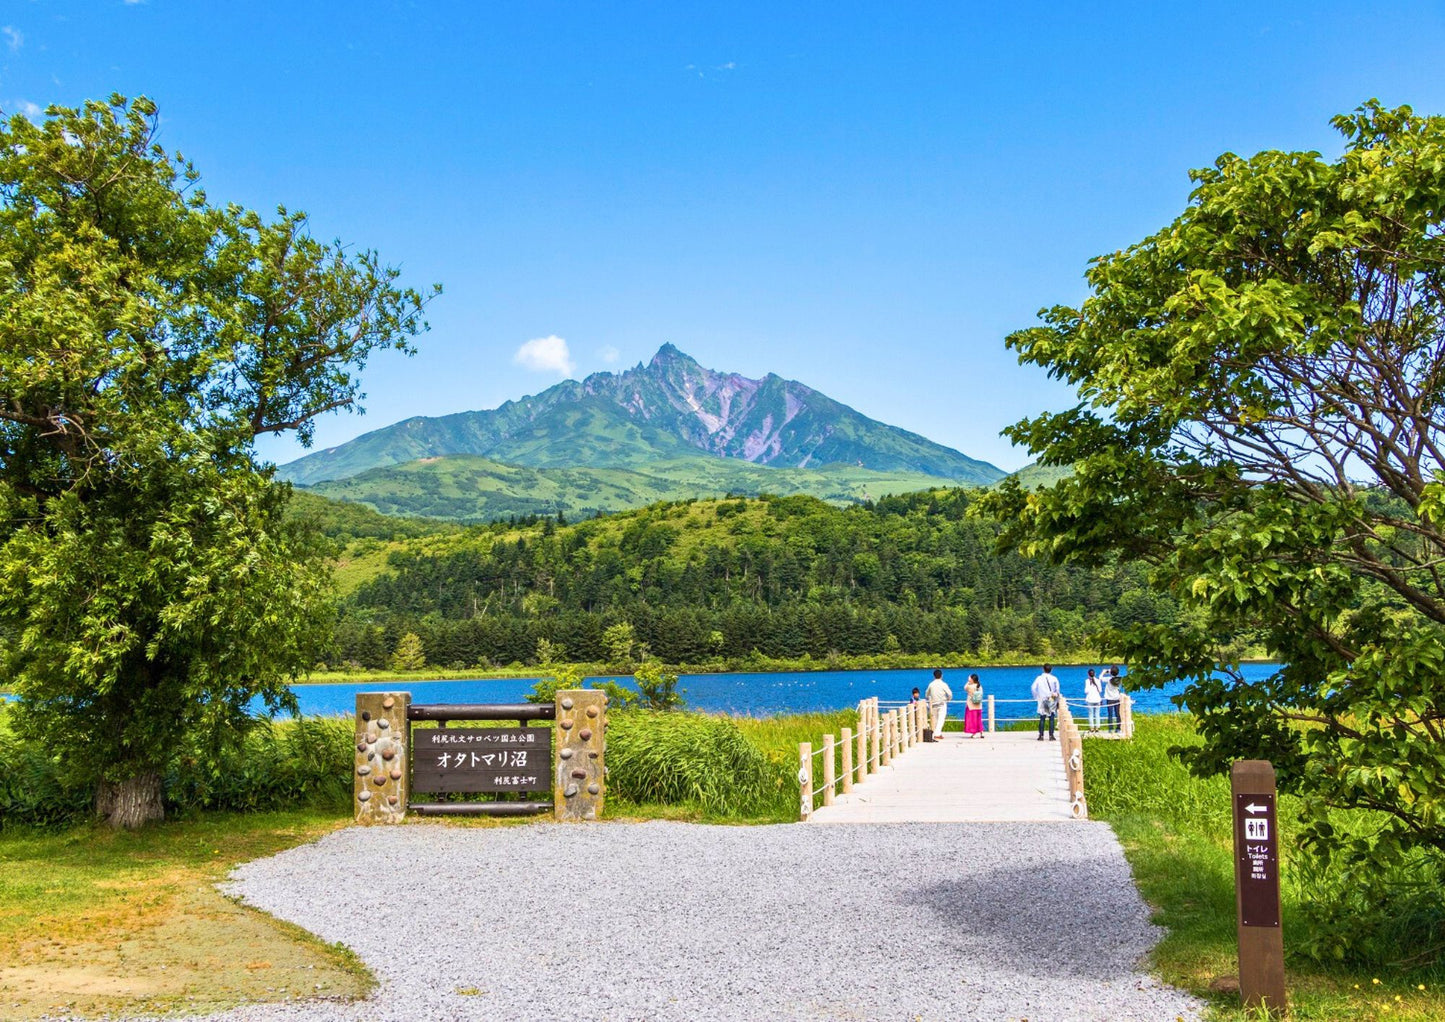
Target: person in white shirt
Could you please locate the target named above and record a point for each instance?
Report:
(938, 695)
(1093, 696)
(1046, 690)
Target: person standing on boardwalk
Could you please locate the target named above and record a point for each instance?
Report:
(1093, 696)
(938, 695)
(1112, 694)
(1046, 691)
(973, 707)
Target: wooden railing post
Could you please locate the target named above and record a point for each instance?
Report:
(847, 742)
(1126, 716)
(862, 765)
(830, 779)
(886, 756)
(1072, 748)
(805, 780)
(990, 711)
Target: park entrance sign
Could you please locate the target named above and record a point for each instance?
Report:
(403, 749)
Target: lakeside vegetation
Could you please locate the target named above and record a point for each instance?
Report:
(1355, 948)
(738, 584)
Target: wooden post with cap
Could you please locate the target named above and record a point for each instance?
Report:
(1256, 887)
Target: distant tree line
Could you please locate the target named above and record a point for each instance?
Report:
(779, 577)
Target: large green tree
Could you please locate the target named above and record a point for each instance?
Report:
(151, 585)
(1260, 420)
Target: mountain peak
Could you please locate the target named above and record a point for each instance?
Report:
(672, 406)
(670, 352)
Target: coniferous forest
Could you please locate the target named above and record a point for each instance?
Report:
(703, 581)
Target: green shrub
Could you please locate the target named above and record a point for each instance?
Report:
(687, 759)
(286, 764)
(32, 792)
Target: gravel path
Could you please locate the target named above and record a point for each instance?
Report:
(666, 921)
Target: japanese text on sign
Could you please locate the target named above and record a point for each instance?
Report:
(481, 759)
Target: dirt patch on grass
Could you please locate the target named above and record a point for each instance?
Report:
(149, 933)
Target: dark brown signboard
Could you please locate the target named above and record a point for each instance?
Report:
(476, 759)
(1256, 849)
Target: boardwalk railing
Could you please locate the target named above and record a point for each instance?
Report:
(1025, 711)
(881, 736)
(887, 730)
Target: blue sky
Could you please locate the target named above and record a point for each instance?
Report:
(866, 198)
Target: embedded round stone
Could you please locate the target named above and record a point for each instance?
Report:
(585, 733)
(388, 703)
(569, 791)
(580, 774)
(360, 746)
(371, 737)
(391, 800)
(363, 795)
(565, 754)
(363, 770)
(379, 781)
(383, 723)
(388, 753)
(365, 714)
(592, 755)
(396, 773)
(593, 788)
(567, 724)
(591, 711)
(567, 703)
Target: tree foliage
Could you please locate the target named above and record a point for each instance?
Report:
(153, 584)
(697, 580)
(1260, 419)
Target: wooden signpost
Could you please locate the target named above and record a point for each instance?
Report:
(558, 750)
(1256, 885)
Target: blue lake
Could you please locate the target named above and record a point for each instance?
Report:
(763, 694)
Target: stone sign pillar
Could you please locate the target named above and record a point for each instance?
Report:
(579, 766)
(379, 779)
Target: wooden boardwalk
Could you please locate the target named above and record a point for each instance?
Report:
(1009, 776)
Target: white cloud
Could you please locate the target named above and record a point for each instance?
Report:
(545, 355)
(609, 354)
(14, 38)
(23, 106)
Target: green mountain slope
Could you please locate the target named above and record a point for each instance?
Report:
(472, 488)
(1034, 475)
(670, 409)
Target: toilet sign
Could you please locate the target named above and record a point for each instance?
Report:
(1256, 884)
(1257, 858)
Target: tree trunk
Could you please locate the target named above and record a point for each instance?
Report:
(131, 803)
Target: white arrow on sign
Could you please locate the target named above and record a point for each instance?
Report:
(1256, 809)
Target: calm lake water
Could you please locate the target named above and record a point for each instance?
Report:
(763, 694)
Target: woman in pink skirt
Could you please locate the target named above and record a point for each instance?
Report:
(973, 707)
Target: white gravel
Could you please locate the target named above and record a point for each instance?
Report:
(666, 921)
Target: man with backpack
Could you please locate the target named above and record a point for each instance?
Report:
(1046, 691)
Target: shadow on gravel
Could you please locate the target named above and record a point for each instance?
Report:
(1082, 919)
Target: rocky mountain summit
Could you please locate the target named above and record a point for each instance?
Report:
(669, 408)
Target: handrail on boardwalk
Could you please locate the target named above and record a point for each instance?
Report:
(884, 735)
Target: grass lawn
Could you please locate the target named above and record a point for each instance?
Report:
(94, 921)
(1176, 833)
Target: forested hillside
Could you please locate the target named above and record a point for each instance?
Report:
(782, 577)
